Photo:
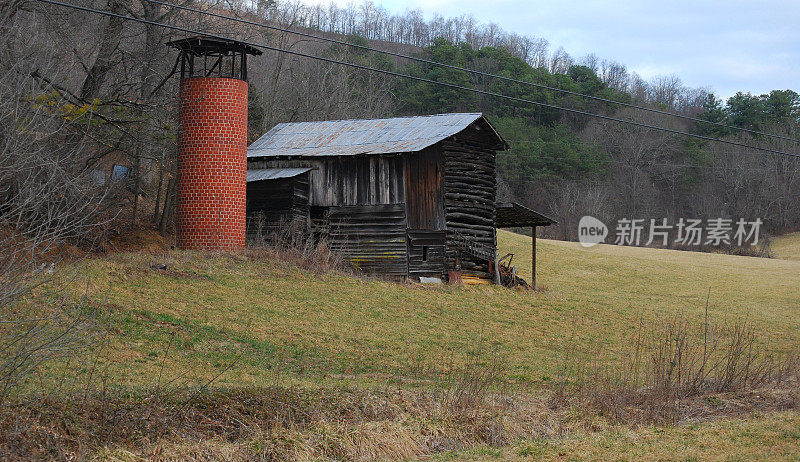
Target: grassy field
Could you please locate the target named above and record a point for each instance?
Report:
(786, 247)
(773, 437)
(250, 323)
(244, 322)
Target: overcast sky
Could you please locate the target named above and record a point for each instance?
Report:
(727, 46)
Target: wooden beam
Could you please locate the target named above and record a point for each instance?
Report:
(533, 257)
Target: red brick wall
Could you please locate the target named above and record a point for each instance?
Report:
(212, 164)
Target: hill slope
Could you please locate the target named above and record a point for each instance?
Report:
(257, 320)
(786, 247)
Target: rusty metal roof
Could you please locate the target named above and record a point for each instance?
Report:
(274, 173)
(365, 137)
(512, 214)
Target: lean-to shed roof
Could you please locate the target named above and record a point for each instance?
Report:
(511, 214)
(274, 173)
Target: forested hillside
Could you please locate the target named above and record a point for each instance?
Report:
(113, 121)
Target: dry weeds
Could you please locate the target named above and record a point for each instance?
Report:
(472, 406)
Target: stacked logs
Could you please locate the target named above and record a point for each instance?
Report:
(469, 191)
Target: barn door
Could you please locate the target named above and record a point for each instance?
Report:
(426, 253)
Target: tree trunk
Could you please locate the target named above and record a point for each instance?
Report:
(107, 50)
(169, 205)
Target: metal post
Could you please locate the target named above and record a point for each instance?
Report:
(533, 257)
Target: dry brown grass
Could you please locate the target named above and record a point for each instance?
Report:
(275, 423)
(351, 404)
(472, 406)
(787, 247)
(676, 370)
(292, 244)
(295, 424)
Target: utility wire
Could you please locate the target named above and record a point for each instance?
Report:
(420, 79)
(471, 71)
(649, 163)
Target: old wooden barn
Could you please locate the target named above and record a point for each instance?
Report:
(402, 197)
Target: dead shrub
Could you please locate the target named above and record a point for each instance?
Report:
(292, 242)
(665, 369)
(49, 208)
(762, 250)
(670, 373)
(475, 396)
(276, 423)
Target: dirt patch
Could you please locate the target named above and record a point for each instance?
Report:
(147, 240)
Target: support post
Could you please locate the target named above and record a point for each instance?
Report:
(533, 257)
(496, 265)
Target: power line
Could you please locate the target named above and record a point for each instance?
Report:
(420, 79)
(472, 71)
(649, 163)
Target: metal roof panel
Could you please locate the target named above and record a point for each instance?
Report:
(274, 173)
(356, 137)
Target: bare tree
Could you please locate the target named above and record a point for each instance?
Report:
(614, 74)
(560, 61)
(568, 201)
(45, 202)
(592, 62)
(664, 90)
(636, 155)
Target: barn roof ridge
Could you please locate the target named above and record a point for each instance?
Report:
(349, 137)
(384, 118)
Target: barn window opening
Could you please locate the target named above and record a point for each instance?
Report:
(424, 253)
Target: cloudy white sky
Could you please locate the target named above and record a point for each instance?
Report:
(727, 46)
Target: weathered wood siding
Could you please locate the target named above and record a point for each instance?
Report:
(470, 189)
(356, 180)
(358, 206)
(372, 238)
(271, 203)
(423, 189)
(426, 253)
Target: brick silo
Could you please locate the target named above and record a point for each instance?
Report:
(212, 156)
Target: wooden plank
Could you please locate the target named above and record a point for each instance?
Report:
(372, 238)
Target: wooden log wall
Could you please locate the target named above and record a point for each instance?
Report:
(470, 189)
(372, 238)
(372, 206)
